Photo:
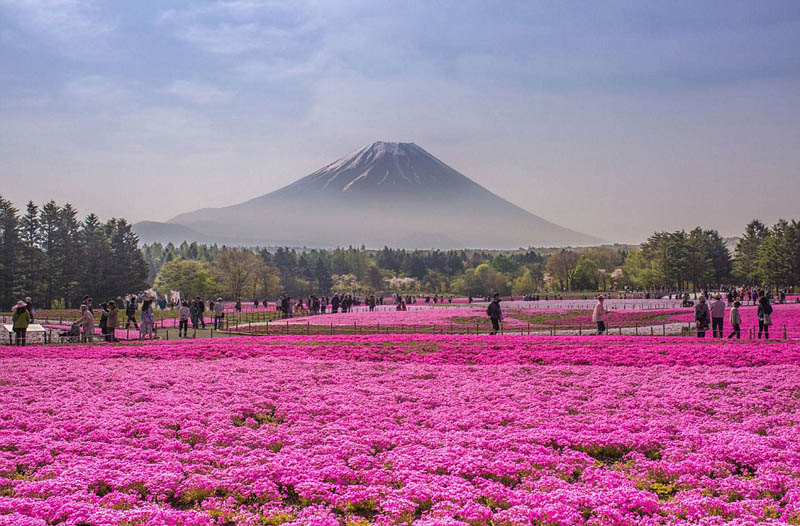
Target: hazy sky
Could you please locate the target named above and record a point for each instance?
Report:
(615, 118)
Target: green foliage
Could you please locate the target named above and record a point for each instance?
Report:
(51, 256)
(191, 278)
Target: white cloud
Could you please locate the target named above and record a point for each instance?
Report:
(97, 90)
(198, 92)
(228, 39)
(73, 27)
(241, 27)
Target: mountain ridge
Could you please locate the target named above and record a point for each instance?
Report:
(386, 193)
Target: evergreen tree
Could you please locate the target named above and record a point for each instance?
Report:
(745, 263)
(10, 254)
(32, 280)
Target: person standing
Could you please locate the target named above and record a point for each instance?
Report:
(104, 320)
(201, 312)
(717, 316)
(21, 318)
(87, 300)
(183, 319)
(495, 314)
(86, 322)
(764, 316)
(130, 314)
(148, 320)
(112, 322)
(599, 315)
(29, 306)
(219, 313)
(702, 316)
(736, 321)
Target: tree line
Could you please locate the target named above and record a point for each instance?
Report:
(766, 257)
(50, 255)
(667, 261)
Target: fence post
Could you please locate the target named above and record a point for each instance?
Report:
(784, 332)
(664, 328)
(580, 329)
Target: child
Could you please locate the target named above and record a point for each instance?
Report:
(736, 321)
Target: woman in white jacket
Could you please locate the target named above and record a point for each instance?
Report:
(599, 315)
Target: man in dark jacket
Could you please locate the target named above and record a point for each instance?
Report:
(201, 312)
(495, 314)
(702, 316)
(130, 314)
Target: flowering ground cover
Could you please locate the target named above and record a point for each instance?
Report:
(401, 429)
(787, 315)
(468, 319)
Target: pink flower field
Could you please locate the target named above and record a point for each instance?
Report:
(401, 429)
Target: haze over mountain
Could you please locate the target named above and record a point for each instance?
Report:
(387, 193)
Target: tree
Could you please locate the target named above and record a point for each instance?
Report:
(667, 253)
(10, 257)
(128, 272)
(32, 255)
(374, 278)
(483, 280)
(527, 283)
(698, 268)
(745, 263)
(235, 268)
(561, 267)
(268, 279)
(190, 278)
(778, 259)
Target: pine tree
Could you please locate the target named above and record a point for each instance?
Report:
(32, 256)
(10, 254)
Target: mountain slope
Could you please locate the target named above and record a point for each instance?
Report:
(394, 194)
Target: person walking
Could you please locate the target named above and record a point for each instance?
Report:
(717, 316)
(764, 316)
(112, 321)
(130, 314)
(702, 316)
(86, 322)
(21, 318)
(183, 319)
(219, 313)
(148, 320)
(495, 314)
(736, 321)
(599, 315)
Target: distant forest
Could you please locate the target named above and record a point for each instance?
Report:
(667, 261)
(54, 257)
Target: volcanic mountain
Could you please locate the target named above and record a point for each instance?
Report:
(387, 193)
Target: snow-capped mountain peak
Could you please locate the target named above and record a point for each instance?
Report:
(383, 165)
